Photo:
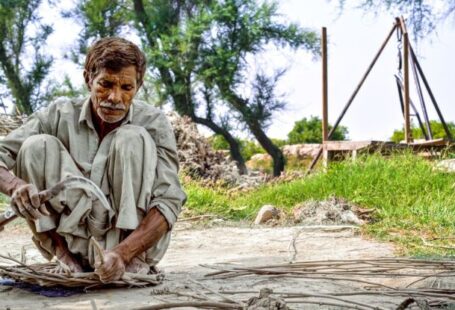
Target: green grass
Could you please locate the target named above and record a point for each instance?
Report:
(411, 198)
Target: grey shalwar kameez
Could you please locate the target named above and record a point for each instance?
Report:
(135, 166)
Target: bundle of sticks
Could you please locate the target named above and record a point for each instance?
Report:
(45, 275)
(42, 275)
(10, 122)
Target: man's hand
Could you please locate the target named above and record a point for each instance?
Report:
(27, 202)
(149, 232)
(112, 269)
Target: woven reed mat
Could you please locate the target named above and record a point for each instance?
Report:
(41, 274)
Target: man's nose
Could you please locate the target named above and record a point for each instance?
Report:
(115, 96)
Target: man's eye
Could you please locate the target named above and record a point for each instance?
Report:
(127, 87)
(105, 84)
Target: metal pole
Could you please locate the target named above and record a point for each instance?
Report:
(335, 126)
(428, 136)
(400, 93)
(430, 93)
(407, 123)
(325, 127)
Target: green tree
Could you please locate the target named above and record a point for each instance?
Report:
(197, 53)
(99, 19)
(23, 64)
(436, 128)
(66, 89)
(422, 16)
(310, 131)
(245, 28)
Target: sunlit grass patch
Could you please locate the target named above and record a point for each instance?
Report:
(412, 200)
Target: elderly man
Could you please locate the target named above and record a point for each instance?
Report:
(126, 147)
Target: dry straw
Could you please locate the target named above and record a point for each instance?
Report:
(44, 275)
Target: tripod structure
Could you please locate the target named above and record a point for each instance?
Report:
(407, 60)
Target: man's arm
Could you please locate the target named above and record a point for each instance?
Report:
(168, 198)
(25, 198)
(24, 195)
(9, 148)
(145, 236)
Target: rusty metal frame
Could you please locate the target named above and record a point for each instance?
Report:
(409, 56)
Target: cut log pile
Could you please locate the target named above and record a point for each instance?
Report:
(200, 161)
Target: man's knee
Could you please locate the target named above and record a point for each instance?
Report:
(131, 138)
(35, 146)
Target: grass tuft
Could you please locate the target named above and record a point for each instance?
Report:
(412, 199)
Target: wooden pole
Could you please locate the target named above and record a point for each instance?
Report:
(325, 132)
(407, 122)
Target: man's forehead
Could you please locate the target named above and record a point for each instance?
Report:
(127, 73)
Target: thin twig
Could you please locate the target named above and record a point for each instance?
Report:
(293, 245)
(195, 218)
(195, 304)
(224, 298)
(426, 243)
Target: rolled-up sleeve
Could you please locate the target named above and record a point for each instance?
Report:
(10, 145)
(167, 193)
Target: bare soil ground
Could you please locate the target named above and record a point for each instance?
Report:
(191, 247)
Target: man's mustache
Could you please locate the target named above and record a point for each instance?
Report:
(108, 105)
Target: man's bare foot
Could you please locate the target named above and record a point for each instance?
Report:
(68, 263)
(137, 266)
(64, 256)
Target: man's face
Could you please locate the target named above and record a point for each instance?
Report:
(112, 93)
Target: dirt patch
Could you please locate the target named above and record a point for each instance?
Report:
(334, 211)
(215, 246)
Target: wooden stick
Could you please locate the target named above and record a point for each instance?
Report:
(203, 304)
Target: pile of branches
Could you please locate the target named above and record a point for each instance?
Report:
(43, 275)
(361, 271)
(10, 122)
(407, 297)
(200, 161)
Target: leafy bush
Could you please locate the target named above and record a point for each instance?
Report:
(247, 147)
(310, 131)
(436, 128)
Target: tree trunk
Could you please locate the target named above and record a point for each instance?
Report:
(234, 146)
(269, 147)
(240, 105)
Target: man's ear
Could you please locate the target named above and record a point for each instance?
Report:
(87, 80)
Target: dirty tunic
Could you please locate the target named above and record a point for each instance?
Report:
(135, 166)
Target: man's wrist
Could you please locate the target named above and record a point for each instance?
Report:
(9, 182)
(146, 235)
(122, 250)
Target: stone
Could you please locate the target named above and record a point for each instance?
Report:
(447, 165)
(267, 213)
(333, 211)
(301, 151)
